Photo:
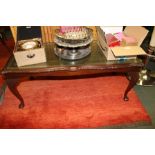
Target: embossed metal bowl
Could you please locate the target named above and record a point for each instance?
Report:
(73, 42)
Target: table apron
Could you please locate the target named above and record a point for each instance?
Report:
(71, 72)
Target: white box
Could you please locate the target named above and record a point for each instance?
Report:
(30, 57)
(29, 48)
(103, 44)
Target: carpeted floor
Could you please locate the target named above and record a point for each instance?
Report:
(78, 103)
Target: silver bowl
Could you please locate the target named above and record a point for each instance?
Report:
(61, 39)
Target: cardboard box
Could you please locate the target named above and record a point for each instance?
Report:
(26, 37)
(103, 44)
(135, 31)
(138, 32)
(134, 49)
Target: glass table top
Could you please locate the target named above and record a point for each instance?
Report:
(95, 58)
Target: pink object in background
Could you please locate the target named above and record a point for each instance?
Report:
(119, 36)
(115, 39)
(112, 41)
(65, 29)
(129, 39)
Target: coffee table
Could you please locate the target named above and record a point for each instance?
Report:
(94, 64)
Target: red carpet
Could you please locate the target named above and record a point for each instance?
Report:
(79, 103)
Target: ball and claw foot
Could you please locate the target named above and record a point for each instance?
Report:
(21, 105)
(126, 98)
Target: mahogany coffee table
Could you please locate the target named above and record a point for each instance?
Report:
(94, 64)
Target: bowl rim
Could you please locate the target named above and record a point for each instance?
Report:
(89, 30)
